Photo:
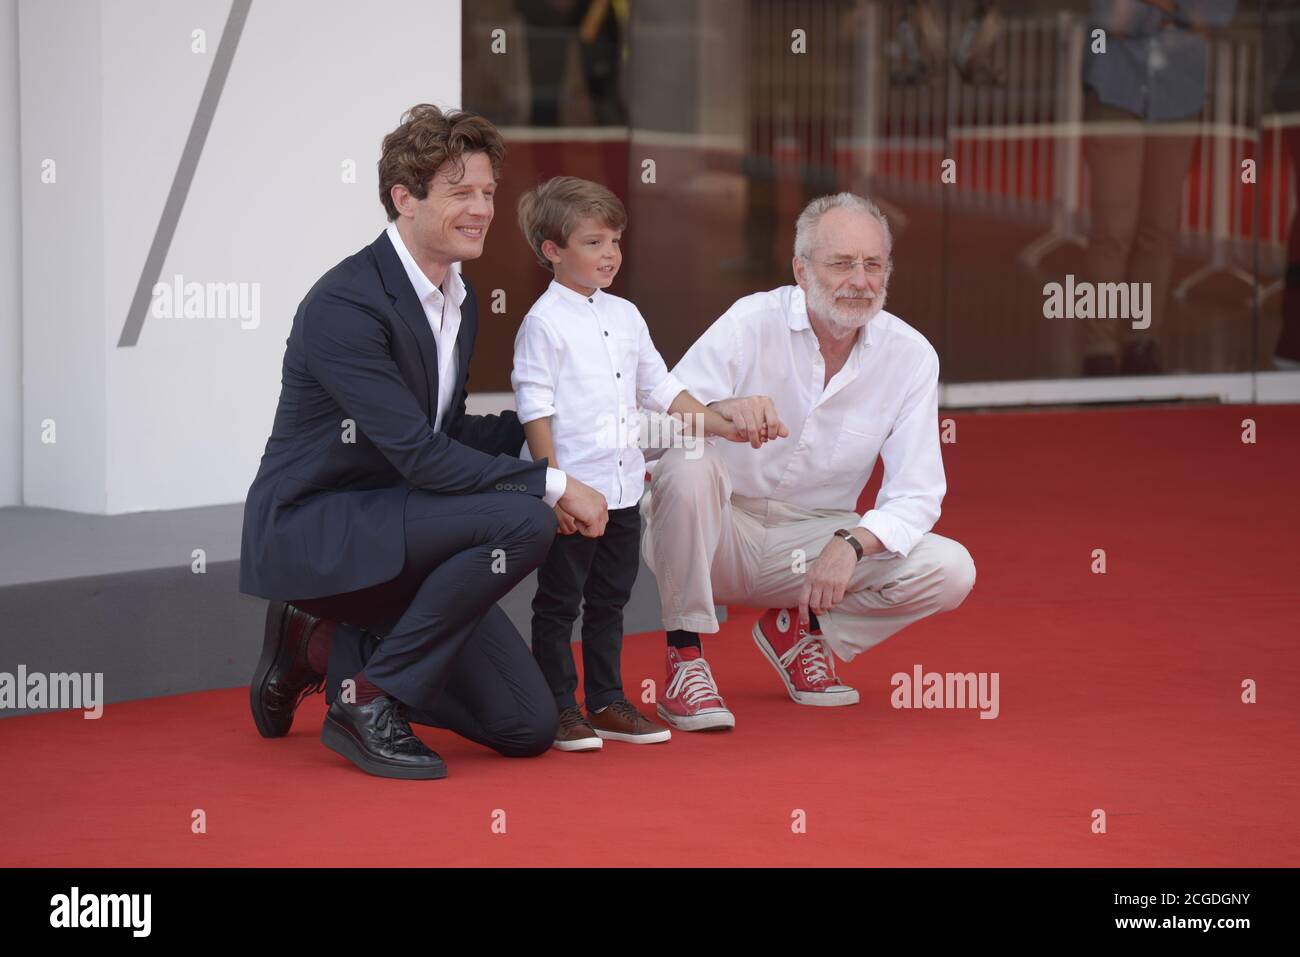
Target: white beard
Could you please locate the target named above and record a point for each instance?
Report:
(823, 304)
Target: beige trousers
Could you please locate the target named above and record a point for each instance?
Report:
(707, 545)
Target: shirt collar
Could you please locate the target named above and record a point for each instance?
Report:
(797, 319)
(424, 287)
(565, 292)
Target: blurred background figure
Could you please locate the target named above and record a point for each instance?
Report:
(1283, 40)
(1140, 95)
(552, 28)
(600, 32)
(797, 102)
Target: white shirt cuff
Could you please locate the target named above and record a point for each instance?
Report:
(892, 534)
(529, 407)
(662, 396)
(556, 484)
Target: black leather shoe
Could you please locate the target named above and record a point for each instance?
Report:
(283, 676)
(377, 738)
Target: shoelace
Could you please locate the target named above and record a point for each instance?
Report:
(290, 701)
(816, 663)
(570, 718)
(693, 682)
(313, 688)
(396, 728)
(628, 711)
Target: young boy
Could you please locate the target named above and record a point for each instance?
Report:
(584, 362)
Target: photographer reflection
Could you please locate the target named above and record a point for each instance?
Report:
(1144, 86)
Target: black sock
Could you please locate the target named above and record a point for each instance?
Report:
(813, 623)
(684, 639)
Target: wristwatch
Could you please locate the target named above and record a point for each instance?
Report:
(845, 534)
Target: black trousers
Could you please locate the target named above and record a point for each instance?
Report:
(448, 652)
(598, 573)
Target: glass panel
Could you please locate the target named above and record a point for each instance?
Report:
(1040, 162)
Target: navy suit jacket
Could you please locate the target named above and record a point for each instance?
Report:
(326, 516)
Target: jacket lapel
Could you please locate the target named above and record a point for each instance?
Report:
(465, 338)
(408, 308)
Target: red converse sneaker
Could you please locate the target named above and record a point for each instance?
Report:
(690, 701)
(804, 661)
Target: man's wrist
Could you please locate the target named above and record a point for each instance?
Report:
(846, 535)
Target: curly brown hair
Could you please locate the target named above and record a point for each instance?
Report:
(425, 140)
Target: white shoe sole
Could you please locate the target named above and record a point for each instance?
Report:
(708, 721)
(581, 744)
(815, 699)
(654, 737)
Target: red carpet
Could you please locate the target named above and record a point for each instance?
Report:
(1119, 691)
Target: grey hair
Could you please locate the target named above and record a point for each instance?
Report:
(805, 229)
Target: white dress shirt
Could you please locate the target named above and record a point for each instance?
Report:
(444, 320)
(587, 363)
(884, 401)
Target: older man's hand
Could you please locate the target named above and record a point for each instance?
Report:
(753, 419)
(827, 579)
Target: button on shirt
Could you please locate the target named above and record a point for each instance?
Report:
(883, 402)
(444, 320)
(588, 362)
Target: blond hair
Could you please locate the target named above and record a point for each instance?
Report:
(553, 209)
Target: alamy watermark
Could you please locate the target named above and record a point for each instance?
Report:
(1103, 300)
(631, 428)
(76, 909)
(56, 691)
(179, 299)
(947, 690)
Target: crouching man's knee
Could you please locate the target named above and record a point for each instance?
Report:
(528, 736)
(700, 463)
(958, 574)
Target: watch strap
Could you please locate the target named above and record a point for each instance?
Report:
(845, 534)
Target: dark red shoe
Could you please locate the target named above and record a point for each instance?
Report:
(284, 676)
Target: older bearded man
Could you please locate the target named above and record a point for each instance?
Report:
(774, 526)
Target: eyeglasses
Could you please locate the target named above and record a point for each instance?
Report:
(874, 268)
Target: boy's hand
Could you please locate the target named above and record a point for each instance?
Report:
(565, 523)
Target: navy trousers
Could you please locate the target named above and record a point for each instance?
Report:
(443, 647)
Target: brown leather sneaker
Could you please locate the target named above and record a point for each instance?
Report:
(621, 721)
(575, 733)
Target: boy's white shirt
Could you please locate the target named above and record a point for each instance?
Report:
(589, 364)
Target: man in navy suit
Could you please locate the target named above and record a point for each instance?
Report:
(381, 508)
